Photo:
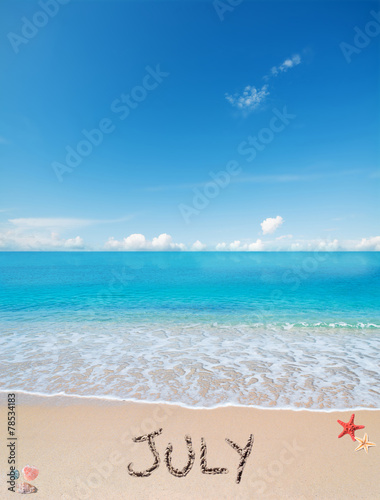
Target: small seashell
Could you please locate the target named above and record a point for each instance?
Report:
(16, 474)
(30, 473)
(25, 488)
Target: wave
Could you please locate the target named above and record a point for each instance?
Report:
(182, 405)
(197, 365)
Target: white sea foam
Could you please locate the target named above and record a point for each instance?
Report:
(289, 366)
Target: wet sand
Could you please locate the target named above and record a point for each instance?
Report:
(83, 447)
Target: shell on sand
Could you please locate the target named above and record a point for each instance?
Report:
(25, 488)
(30, 473)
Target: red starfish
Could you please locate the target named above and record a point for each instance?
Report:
(349, 428)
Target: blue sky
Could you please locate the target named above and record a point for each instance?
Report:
(182, 72)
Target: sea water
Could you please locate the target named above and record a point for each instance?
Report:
(202, 329)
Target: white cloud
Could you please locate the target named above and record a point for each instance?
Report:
(316, 245)
(40, 234)
(198, 246)
(287, 64)
(76, 242)
(328, 245)
(285, 237)
(270, 224)
(237, 246)
(164, 242)
(136, 242)
(249, 99)
(14, 240)
(256, 247)
(220, 247)
(133, 242)
(370, 244)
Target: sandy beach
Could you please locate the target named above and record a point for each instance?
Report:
(82, 448)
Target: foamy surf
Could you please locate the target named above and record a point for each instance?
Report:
(200, 366)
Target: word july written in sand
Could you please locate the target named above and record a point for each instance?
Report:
(149, 438)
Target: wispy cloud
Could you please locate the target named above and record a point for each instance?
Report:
(285, 66)
(249, 99)
(48, 223)
(251, 179)
(279, 178)
(61, 223)
(284, 237)
(259, 179)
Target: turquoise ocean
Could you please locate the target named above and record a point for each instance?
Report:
(201, 329)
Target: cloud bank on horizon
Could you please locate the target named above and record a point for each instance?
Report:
(136, 242)
(33, 234)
